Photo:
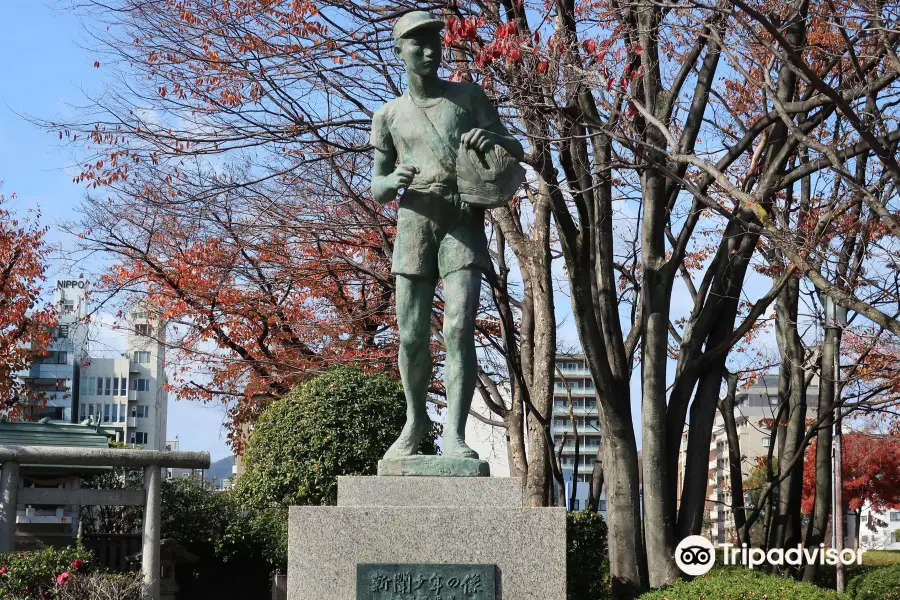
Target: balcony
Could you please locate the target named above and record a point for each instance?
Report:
(578, 410)
(582, 449)
(576, 391)
(132, 395)
(132, 422)
(576, 372)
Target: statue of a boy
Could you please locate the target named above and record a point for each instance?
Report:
(438, 234)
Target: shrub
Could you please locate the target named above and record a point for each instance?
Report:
(104, 586)
(587, 565)
(40, 574)
(225, 536)
(878, 584)
(340, 423)
(736, 583)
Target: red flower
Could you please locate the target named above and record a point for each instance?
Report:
(2, 570)
(77, 563)
(543, 66)
(63, 578)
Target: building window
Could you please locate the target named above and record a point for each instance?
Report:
(122, 412)
(107, 391)
(895, 516)
(82, 412)
(141, 412)
(766, 441)
(140, 385)
(142, 329)
(115, 386)
(115, 413)
(603, 505)
(896, 535)
(141, 356)
(91, 386)
(139, 438)
(106, 413)
(62, 331)
(91, 411)
(55, 358)
(67, 306)
(773, 400)
(123, 386)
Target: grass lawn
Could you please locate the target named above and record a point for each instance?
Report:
(881, 558)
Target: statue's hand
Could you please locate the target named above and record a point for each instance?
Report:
(478, 139)
(402, 176)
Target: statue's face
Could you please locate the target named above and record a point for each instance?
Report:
(420, 52)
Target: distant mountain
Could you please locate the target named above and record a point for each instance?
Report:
(220, 470)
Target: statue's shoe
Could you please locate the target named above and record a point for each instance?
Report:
(457, 449)
(408, 442)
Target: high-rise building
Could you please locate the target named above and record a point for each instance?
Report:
(130, 392)
(574, 378)
(755, 408)
(127, 394)
(49, 384)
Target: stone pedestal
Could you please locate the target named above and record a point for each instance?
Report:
(427, 520)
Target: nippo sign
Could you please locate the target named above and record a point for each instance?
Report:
(65, 284)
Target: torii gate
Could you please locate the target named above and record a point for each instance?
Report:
(152, 461)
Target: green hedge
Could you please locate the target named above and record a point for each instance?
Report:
(41, 574)
(878, 584)
(741, 584)
(587, 564)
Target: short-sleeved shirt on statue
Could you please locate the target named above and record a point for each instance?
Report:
(437, 233)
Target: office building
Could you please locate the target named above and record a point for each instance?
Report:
(48, 386)
(129, 393)
(126, 393)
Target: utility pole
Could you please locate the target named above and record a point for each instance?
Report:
(835, 320)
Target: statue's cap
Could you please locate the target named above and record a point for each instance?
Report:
(413, 21)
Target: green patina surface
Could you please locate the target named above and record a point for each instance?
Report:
(442, 148)
(426, 582)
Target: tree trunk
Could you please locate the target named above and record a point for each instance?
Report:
(726, 408)
(786, 530)
(818, 525)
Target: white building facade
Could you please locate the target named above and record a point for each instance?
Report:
(127, 393)
(130, 393)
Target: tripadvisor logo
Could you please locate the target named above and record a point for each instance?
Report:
(695, 556)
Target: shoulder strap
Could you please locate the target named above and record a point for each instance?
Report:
(425, 128)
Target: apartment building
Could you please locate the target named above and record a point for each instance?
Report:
(573, 378)
(126, 394)
(754, 405)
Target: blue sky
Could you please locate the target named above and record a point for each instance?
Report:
(46, 68)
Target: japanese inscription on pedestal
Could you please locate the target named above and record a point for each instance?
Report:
(425, 582)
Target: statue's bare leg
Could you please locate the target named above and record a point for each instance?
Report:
(462, 290)
(414, 301)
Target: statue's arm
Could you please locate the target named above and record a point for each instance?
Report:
(507, 141)
(387, 180)
(490, 129)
